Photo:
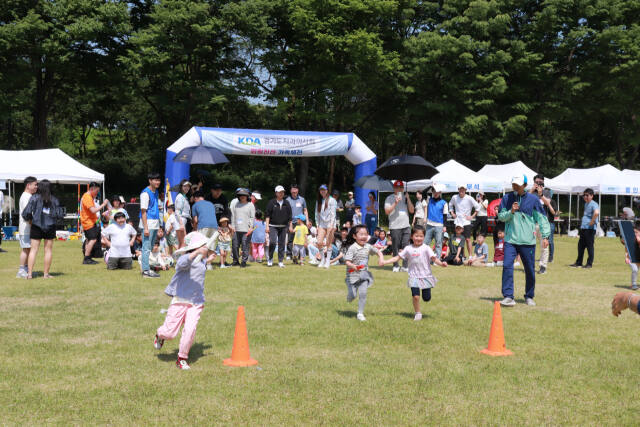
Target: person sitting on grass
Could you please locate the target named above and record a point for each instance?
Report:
(382, 242)
(480, 253)
(419, 258)
(358, 278)
(119, 237)
(456, 247)
(341, 244)
(136, 249)
(158, 260)
(187, 291)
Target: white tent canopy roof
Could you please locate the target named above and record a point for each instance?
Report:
(604, 179)
(632, 182)
(509, 170)
(453, 175)
(52, 164)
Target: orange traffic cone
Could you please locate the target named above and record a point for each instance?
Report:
(497, 346)
(240, 352)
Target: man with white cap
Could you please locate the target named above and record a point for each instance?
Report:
(460, 207)
(277, 223)
(298, 207)
(398, 207)
(437, 210)
(521, 211)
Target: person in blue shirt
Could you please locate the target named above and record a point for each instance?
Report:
(436, 215)
(203, 215)
(587, 229)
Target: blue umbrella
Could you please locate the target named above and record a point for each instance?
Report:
(200, 155)
(374, 182)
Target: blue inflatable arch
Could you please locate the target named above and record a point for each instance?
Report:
(275, 143)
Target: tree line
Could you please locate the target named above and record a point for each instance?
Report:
(554, 83)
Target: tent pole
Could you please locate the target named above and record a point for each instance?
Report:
(11, 204)
(569, 227)
(616, 208)
(600, 205)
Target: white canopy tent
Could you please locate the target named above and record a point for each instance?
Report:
(453, 175)
(52, 164)
(509, 170)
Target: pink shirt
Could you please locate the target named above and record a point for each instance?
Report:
(419, 262)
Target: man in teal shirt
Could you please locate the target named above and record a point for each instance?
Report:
(521, 211)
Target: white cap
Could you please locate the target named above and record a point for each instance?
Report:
(279, 188)
(519, 180)
(257, 195)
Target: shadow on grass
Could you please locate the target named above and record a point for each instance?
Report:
(347, 313)
(196, 352)
(410, 315)
(623, 286)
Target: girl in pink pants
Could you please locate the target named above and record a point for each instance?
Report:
(187, 289)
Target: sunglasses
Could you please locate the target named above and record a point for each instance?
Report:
(540, 183)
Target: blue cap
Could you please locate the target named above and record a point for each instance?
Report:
(301, 217)
(323, 187)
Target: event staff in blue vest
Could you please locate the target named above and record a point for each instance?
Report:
(521, 211)
(437, 210)
(149, 221)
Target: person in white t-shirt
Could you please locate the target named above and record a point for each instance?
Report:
(170, 228)
(24, 228)
(398, 206)
(461, 206)
(481, 218)
(420, 211)
(119, 237)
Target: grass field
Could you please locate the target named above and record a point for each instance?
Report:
(78, 348)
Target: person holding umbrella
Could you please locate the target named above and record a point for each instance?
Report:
(398, 207)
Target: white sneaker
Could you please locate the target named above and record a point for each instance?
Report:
(223, 266)
(22, 274)
(508, 302)
(396, 269)
(361, 317)
(404, 269)
(269, 263)
(182, 364)
(157, 342)
(321, 263)
(209, 267)
(327, 263)
(313, 261)
(281, 264)
(418, 316)
(288, 258)
(530, 302)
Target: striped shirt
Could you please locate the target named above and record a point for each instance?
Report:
(359, 255)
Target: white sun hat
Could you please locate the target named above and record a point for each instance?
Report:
(193, 240)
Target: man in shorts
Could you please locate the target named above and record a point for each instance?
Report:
(89, 220)
(24, 228)
(460, 207)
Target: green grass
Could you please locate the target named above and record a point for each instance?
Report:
(78, 348)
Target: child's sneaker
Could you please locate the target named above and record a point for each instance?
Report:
(281, 264)
(361, 317)
(182, 364)
(418, 316)
(223, 266)
(634, 287)
(396, 269)
(158, 342)
(269, 263)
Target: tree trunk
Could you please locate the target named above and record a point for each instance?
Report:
(41, 107)
(332, 166)
(303, 174)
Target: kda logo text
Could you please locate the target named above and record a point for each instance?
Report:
(247, 140)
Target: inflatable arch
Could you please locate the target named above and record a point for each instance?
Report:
(275, 143)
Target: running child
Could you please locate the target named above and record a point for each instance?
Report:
(359, 279)
(419, 258)
(300, 239)
(187, 291)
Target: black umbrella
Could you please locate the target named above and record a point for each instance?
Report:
(200, 155)
(406, 168)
